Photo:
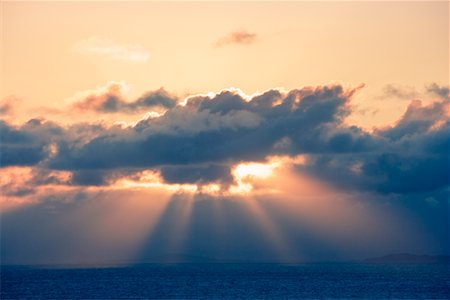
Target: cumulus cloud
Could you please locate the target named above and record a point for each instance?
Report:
(104, 98)
(412, 156)
(419, 119)
(159, 97)
(111, 49)
(200, 140)
(241, 37)
(210, 129)
(110, 98)
(29, 144)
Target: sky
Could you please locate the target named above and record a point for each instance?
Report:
(226, 131)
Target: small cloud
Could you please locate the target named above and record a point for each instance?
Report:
(400, 92)
(409, 92)
(241, 37)
(103, 98)
(110, 98)
(8, 105)
(111, 49)
(441, 91)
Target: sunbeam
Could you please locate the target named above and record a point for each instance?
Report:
(285, 252)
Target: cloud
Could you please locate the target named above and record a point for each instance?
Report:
(209, 129)
(25, 181)
(110, 98)
(108, 48)
(419, 119)
(197, 174)
(409, 93)
(401, 92)
(27, 145)
(412, 156)
(441, 91)
(224, 128)
(151, 99)
(200, 140)
(241, 37)
(331, 187)
(106, 98)
(8, 105)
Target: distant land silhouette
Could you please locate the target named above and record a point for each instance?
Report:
(408, 258)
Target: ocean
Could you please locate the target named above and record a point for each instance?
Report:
(228, 281)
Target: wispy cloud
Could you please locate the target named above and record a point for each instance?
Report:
(7, 105)
(398, 91)
(441, 91)
(410, 92)
(111, 49)
(241, 37)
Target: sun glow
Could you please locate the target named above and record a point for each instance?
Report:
(245, 173)
(250, 170)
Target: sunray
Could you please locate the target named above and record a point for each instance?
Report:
(336, 218)
(119, 222)
(169, 233)
(178, 237)
(272, 231)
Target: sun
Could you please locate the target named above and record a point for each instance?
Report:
(246, 173)
(249, 170)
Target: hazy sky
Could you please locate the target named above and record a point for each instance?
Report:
(275, 131)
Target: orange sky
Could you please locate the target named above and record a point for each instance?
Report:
(52, 50)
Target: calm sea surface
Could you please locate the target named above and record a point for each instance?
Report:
(229, 281)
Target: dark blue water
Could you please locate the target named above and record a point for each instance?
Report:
(229, 281)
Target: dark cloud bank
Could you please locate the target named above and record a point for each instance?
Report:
(199, 142)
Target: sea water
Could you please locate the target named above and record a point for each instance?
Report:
(228, 281)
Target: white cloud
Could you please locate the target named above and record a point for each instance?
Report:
(111, 49)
